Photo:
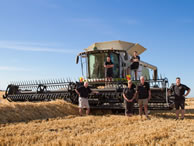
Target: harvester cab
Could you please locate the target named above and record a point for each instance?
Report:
(92, 65)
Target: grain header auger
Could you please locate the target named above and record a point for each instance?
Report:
(92, 66)
(41, 90)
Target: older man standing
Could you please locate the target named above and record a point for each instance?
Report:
(144, 95)
(83, 93)
(179, 93)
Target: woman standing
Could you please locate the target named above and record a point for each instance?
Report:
(135, 63)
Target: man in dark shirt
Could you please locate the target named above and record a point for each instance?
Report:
(179, 93)
(83, 93)
(109, 68)
(144, 95)
(129, 95)
(135, 63)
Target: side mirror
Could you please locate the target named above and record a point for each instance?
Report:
(77, 59)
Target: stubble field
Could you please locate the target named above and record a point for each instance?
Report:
(58, 123)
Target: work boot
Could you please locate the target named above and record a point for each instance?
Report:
(176, 118)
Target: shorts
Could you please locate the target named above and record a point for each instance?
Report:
(179, 104)
(128, 107)
(109, 74)
(143, 101)
(83, 103)
(134, 66)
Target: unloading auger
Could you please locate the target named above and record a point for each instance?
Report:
(92, 65)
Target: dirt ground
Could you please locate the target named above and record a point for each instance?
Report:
(58, 123)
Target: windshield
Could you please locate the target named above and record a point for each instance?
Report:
(96, 65)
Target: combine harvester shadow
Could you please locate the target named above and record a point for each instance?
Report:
(28, 111)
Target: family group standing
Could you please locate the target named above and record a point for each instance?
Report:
(140, 92)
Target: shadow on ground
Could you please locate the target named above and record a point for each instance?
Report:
(25, 112)
(172, 115)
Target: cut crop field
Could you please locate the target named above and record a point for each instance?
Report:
(58, 123)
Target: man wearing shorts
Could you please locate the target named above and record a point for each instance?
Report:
(109, 68)
(144, 95)
(179, 93)
(129, 95)
(83, 93)
(135, 63)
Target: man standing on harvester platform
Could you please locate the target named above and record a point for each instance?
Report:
(179, 93)
(135, 63)
(83, 93)
(109, 69)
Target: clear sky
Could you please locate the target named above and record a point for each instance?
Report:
(39, 39)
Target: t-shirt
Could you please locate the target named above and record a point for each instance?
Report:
(129, 92)
(84, 92)
(179, 91)
(135, 65)
(143, 90)
(137, 57)
(109, 69)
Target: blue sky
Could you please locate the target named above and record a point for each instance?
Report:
(39, 39)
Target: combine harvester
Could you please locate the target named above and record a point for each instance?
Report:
(92, 65)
